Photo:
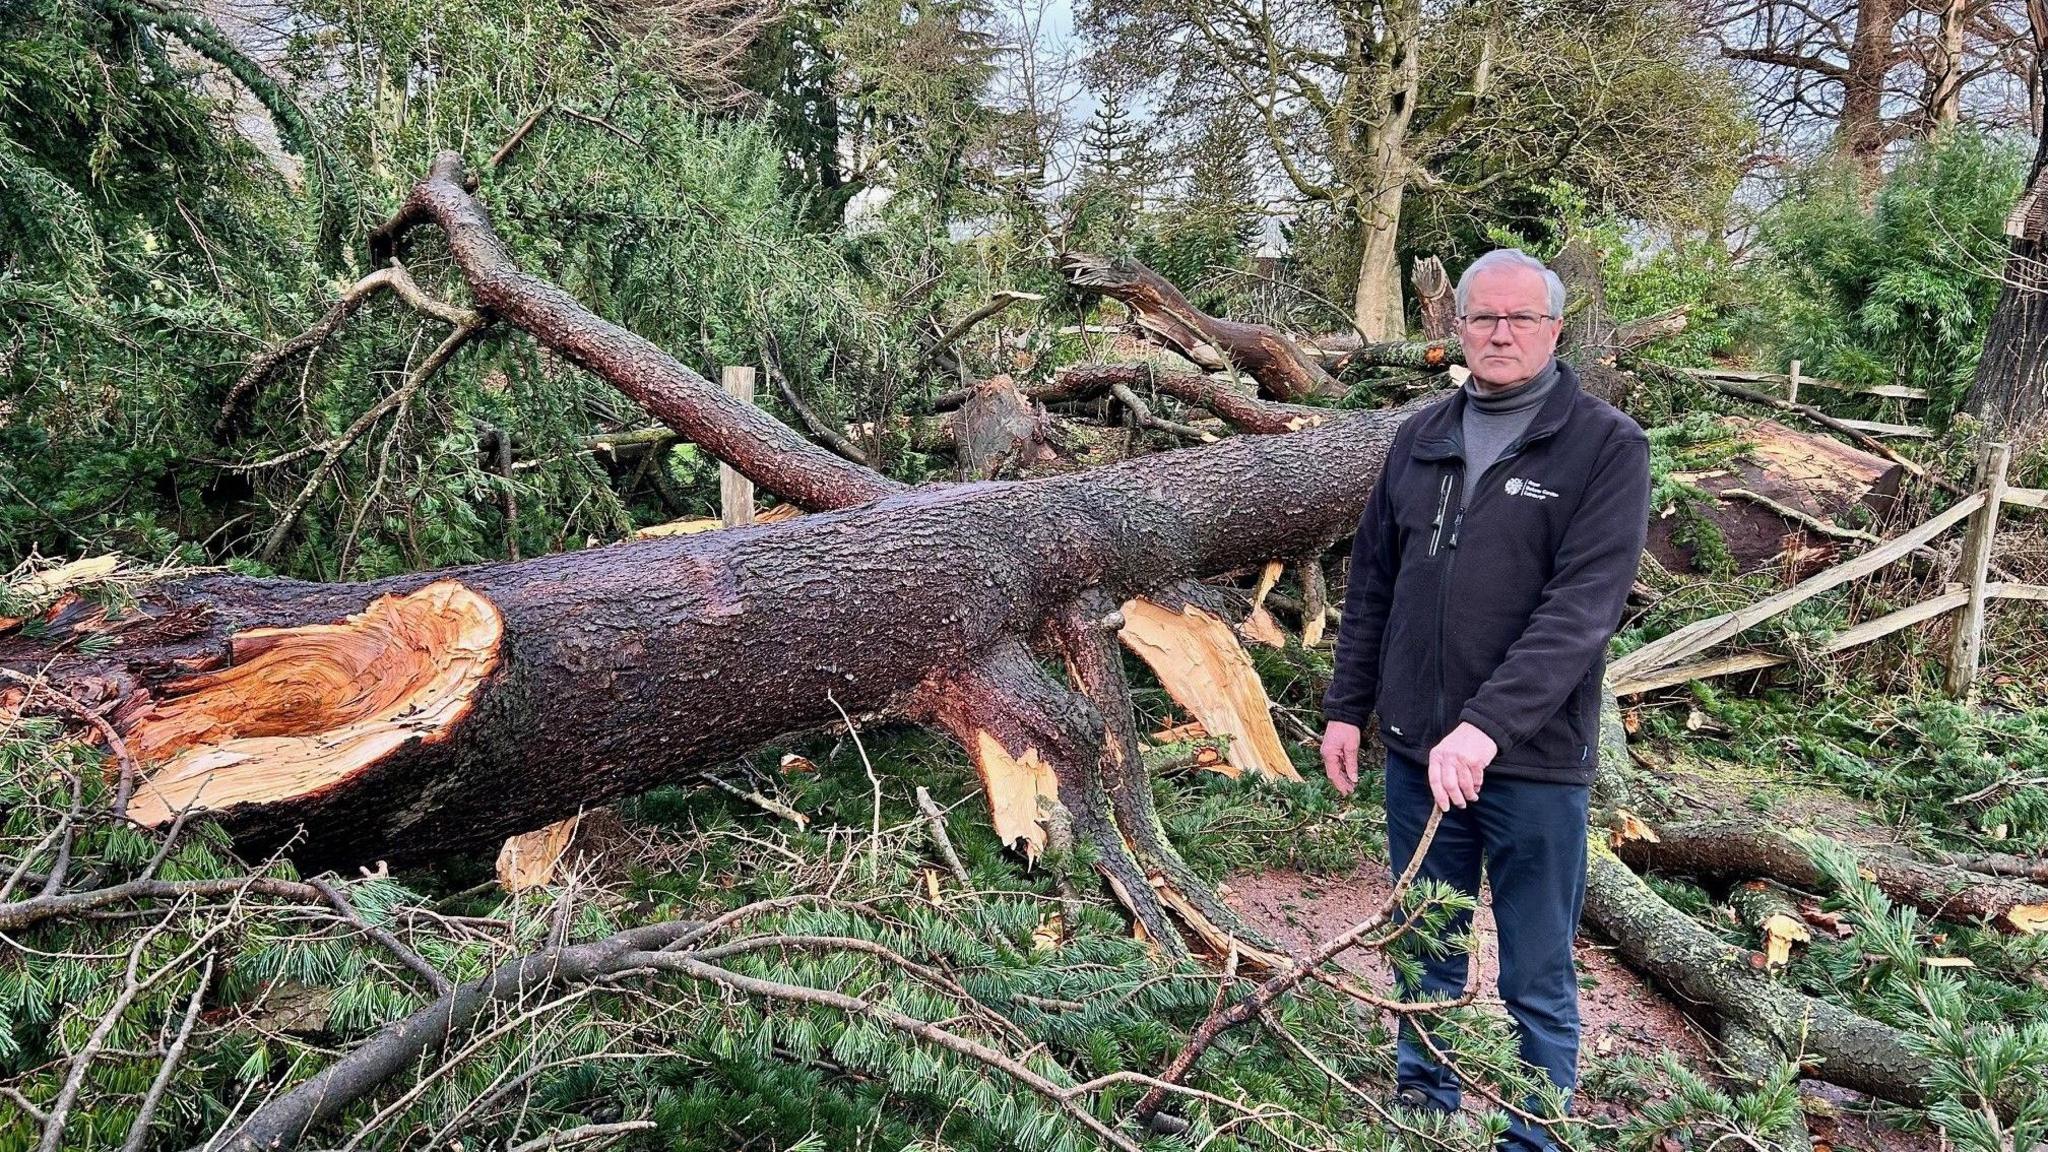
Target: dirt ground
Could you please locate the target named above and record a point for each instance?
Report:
(1619, 1014)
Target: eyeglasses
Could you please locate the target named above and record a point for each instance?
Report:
(1520, 323)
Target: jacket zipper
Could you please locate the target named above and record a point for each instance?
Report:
(1443, 593)
(1454, 474)
(1443, 504)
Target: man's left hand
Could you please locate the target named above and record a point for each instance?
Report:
(1457, 766)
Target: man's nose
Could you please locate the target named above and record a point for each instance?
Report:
(1503, 334)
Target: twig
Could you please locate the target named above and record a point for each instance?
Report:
(1142, 414)
(28, 913)
(874, 782)
(997, 303)
(935, 819)
(393, 277)
(115, 745)
(27, 1106)
(1804, 519)
(891, 1018)
(411, 959)
(341, 444)
(1217, 1023)
(518, 135)
(132, 985)
(581, 1133)
(832, 437)
(138, 1132)
(772, 807)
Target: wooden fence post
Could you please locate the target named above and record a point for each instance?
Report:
(1792, 384)
(736, 492)
(1967, 642)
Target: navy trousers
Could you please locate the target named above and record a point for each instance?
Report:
(1531, 838)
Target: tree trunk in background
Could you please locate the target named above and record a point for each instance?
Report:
(1945, 77)
(1376, 309)
(2009, 392)
(1860, 132)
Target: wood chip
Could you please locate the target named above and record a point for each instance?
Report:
(1261, 628)
(528, 860)
(1206, 670)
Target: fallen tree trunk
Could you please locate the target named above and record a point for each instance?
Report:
(1776, 501)
(440, 711)
(1826, 1041)
(1741, 850)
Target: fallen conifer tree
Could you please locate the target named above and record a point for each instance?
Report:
(444, 711)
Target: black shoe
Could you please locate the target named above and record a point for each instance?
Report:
(1413, 1099)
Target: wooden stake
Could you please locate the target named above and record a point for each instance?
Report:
(1792, 384)
(1967, 644)
(736, 492)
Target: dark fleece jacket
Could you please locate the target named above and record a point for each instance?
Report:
(1495, 611)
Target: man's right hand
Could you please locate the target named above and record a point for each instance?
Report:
(1340, 755)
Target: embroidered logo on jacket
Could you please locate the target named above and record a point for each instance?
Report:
(1517, 486)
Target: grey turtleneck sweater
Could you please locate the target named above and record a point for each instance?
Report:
(1494, 420)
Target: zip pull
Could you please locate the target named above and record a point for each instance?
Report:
(1455, 525)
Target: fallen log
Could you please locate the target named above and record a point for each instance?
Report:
(1741, 850)
(1758, 1018)
(1265, 354)
(1731, 985)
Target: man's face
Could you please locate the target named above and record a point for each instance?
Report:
(1502, 347)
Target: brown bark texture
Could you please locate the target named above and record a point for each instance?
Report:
(1264, 353)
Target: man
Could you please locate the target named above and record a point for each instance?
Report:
(1488, 574)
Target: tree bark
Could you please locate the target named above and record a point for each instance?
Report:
(1742, 850)
(2009, 391)
(1265, 354)
(1860, 132)
(1435, 298)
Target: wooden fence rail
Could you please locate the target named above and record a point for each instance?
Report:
(1794, 380)
(1671, 660)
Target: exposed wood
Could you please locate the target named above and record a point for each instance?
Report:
(2027, 497)
(528, 860)
(1967, 641)
(1809, 412)
(1782, 474)
(735, 491)
(1434, 298)
(1206, 671)
(1774, 913)
(1000, 431)
(1265, 354)
(306, 710)
(1022, 793)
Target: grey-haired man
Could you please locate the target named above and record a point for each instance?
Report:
(1489, 572)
